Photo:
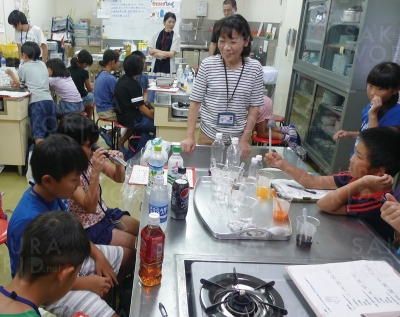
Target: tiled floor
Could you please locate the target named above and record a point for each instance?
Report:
(14, 185)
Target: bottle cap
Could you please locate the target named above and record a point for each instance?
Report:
(259, 157)
(182, 170)
(235, 140)
(159, 180)
(254, 160)
(218, 136)
(154, 219)
(158, 148)
(176, 149)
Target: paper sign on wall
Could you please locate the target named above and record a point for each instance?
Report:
(2, 29)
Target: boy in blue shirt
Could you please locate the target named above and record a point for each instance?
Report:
(54, 246)
(57, 163)
(358, 191)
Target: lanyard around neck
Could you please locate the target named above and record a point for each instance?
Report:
(14, 296)
(227, 87)
(26, 35)
(163, 43)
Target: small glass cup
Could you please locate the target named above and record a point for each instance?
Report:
(305, 231)
(223, 189)
(237, 195)
(281, 207)
(246, 207)
(235, 172)
(264, 183)
(216, 172)
(251, 185)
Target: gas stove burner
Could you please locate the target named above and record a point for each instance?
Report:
(240, 297)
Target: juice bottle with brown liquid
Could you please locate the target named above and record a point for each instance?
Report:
(151, 251)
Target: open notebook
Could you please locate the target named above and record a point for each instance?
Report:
(349, 289)
(283, 187)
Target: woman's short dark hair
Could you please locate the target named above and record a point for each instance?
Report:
(58, 68)
(79, 127)
(16, 17)
(51, 241)
(83, 57)
(31, 49)
(133, 65)
(239, 24)
(109, 56)
(169, 15)
(57, 155)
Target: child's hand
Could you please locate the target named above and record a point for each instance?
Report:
(99, 285)
(341, 134)
(391, 212)
(104, 269)
(9, 72)
(98, 160)
(273, 159)
(378, 183)
(376, 104)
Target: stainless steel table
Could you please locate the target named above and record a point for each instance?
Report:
(339, 238)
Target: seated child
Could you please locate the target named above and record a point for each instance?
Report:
(60, 80)
(45, 273)
(34, 75)
(86, 202)
(57, 162)
(80, 76)
(358, 192)
(287, 134)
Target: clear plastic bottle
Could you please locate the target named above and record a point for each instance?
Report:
(3, 76)
(253, 168)
(159, 201)
(217, 149)
(185, 76)
(259, 162)
(152, 240)
(156, 166)
(174, 162)
(189, 84)
(179, 74)
(180, 195)
(233, 153)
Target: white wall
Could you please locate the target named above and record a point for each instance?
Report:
(77, 9)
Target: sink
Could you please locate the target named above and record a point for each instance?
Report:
(193, 45)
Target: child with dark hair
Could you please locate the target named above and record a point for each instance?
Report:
(34, 75)
(105, 85)
(60, 80)
(80, 76)
(143, 79)
(86, 203)
(358, 192)
(383, 85)
(24, 32)
(57, 162)
(130, 107)
(54, 249)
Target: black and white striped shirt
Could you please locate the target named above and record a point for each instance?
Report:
(210, 90)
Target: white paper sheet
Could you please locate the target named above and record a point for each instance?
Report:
(349, 289)
(281, 186)
(14, 94)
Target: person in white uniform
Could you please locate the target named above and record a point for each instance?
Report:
(24, 32)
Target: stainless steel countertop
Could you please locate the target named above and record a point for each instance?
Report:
(339, 238)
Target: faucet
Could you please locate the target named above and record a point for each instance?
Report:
(188, 38)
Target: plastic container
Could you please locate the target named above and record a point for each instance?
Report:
(81, 40)
(174, 162)
(233, 153)
(259, 162)
(152, 240)
(189, 84)
(179, 74)
(253, 168)
(3, 62)
(159, 201)
(180, 195)
(217, 149)
(186, 74)
(156, 166)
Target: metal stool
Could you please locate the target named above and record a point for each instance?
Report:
(114, 139)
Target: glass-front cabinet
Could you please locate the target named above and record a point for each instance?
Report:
(339, 41)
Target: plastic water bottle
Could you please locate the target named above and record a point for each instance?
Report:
(174, 162)
(159, 201)
(3, 62)
(233, 153)
(217, 149)
(189, 84)
(179, 74)
(152, 240)
(259, 162)
(151, 93)
(156, 166)
(253, 168)
(186, 74)
(3, 76)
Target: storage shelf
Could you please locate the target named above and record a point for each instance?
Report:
(304, 94)
(332, 108)
(357, 24)
(313, 41)
(301, 112)
(338, 46)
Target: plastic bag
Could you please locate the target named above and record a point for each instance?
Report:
(166, 145)
(131, 195)
(9, 50)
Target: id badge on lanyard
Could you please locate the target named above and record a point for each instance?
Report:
(226, 119)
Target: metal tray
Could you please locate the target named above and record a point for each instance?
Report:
(216, 217)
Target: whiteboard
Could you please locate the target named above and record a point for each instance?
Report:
(138, 19)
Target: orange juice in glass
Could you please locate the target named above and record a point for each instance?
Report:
(281, 207)
(263, 183)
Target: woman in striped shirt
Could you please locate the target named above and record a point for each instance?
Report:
(228, 90)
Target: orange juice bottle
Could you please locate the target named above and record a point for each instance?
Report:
(152, 240)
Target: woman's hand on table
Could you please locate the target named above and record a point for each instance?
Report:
(245, 148)
(188, 145)
(273, 159)
(390, 212)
